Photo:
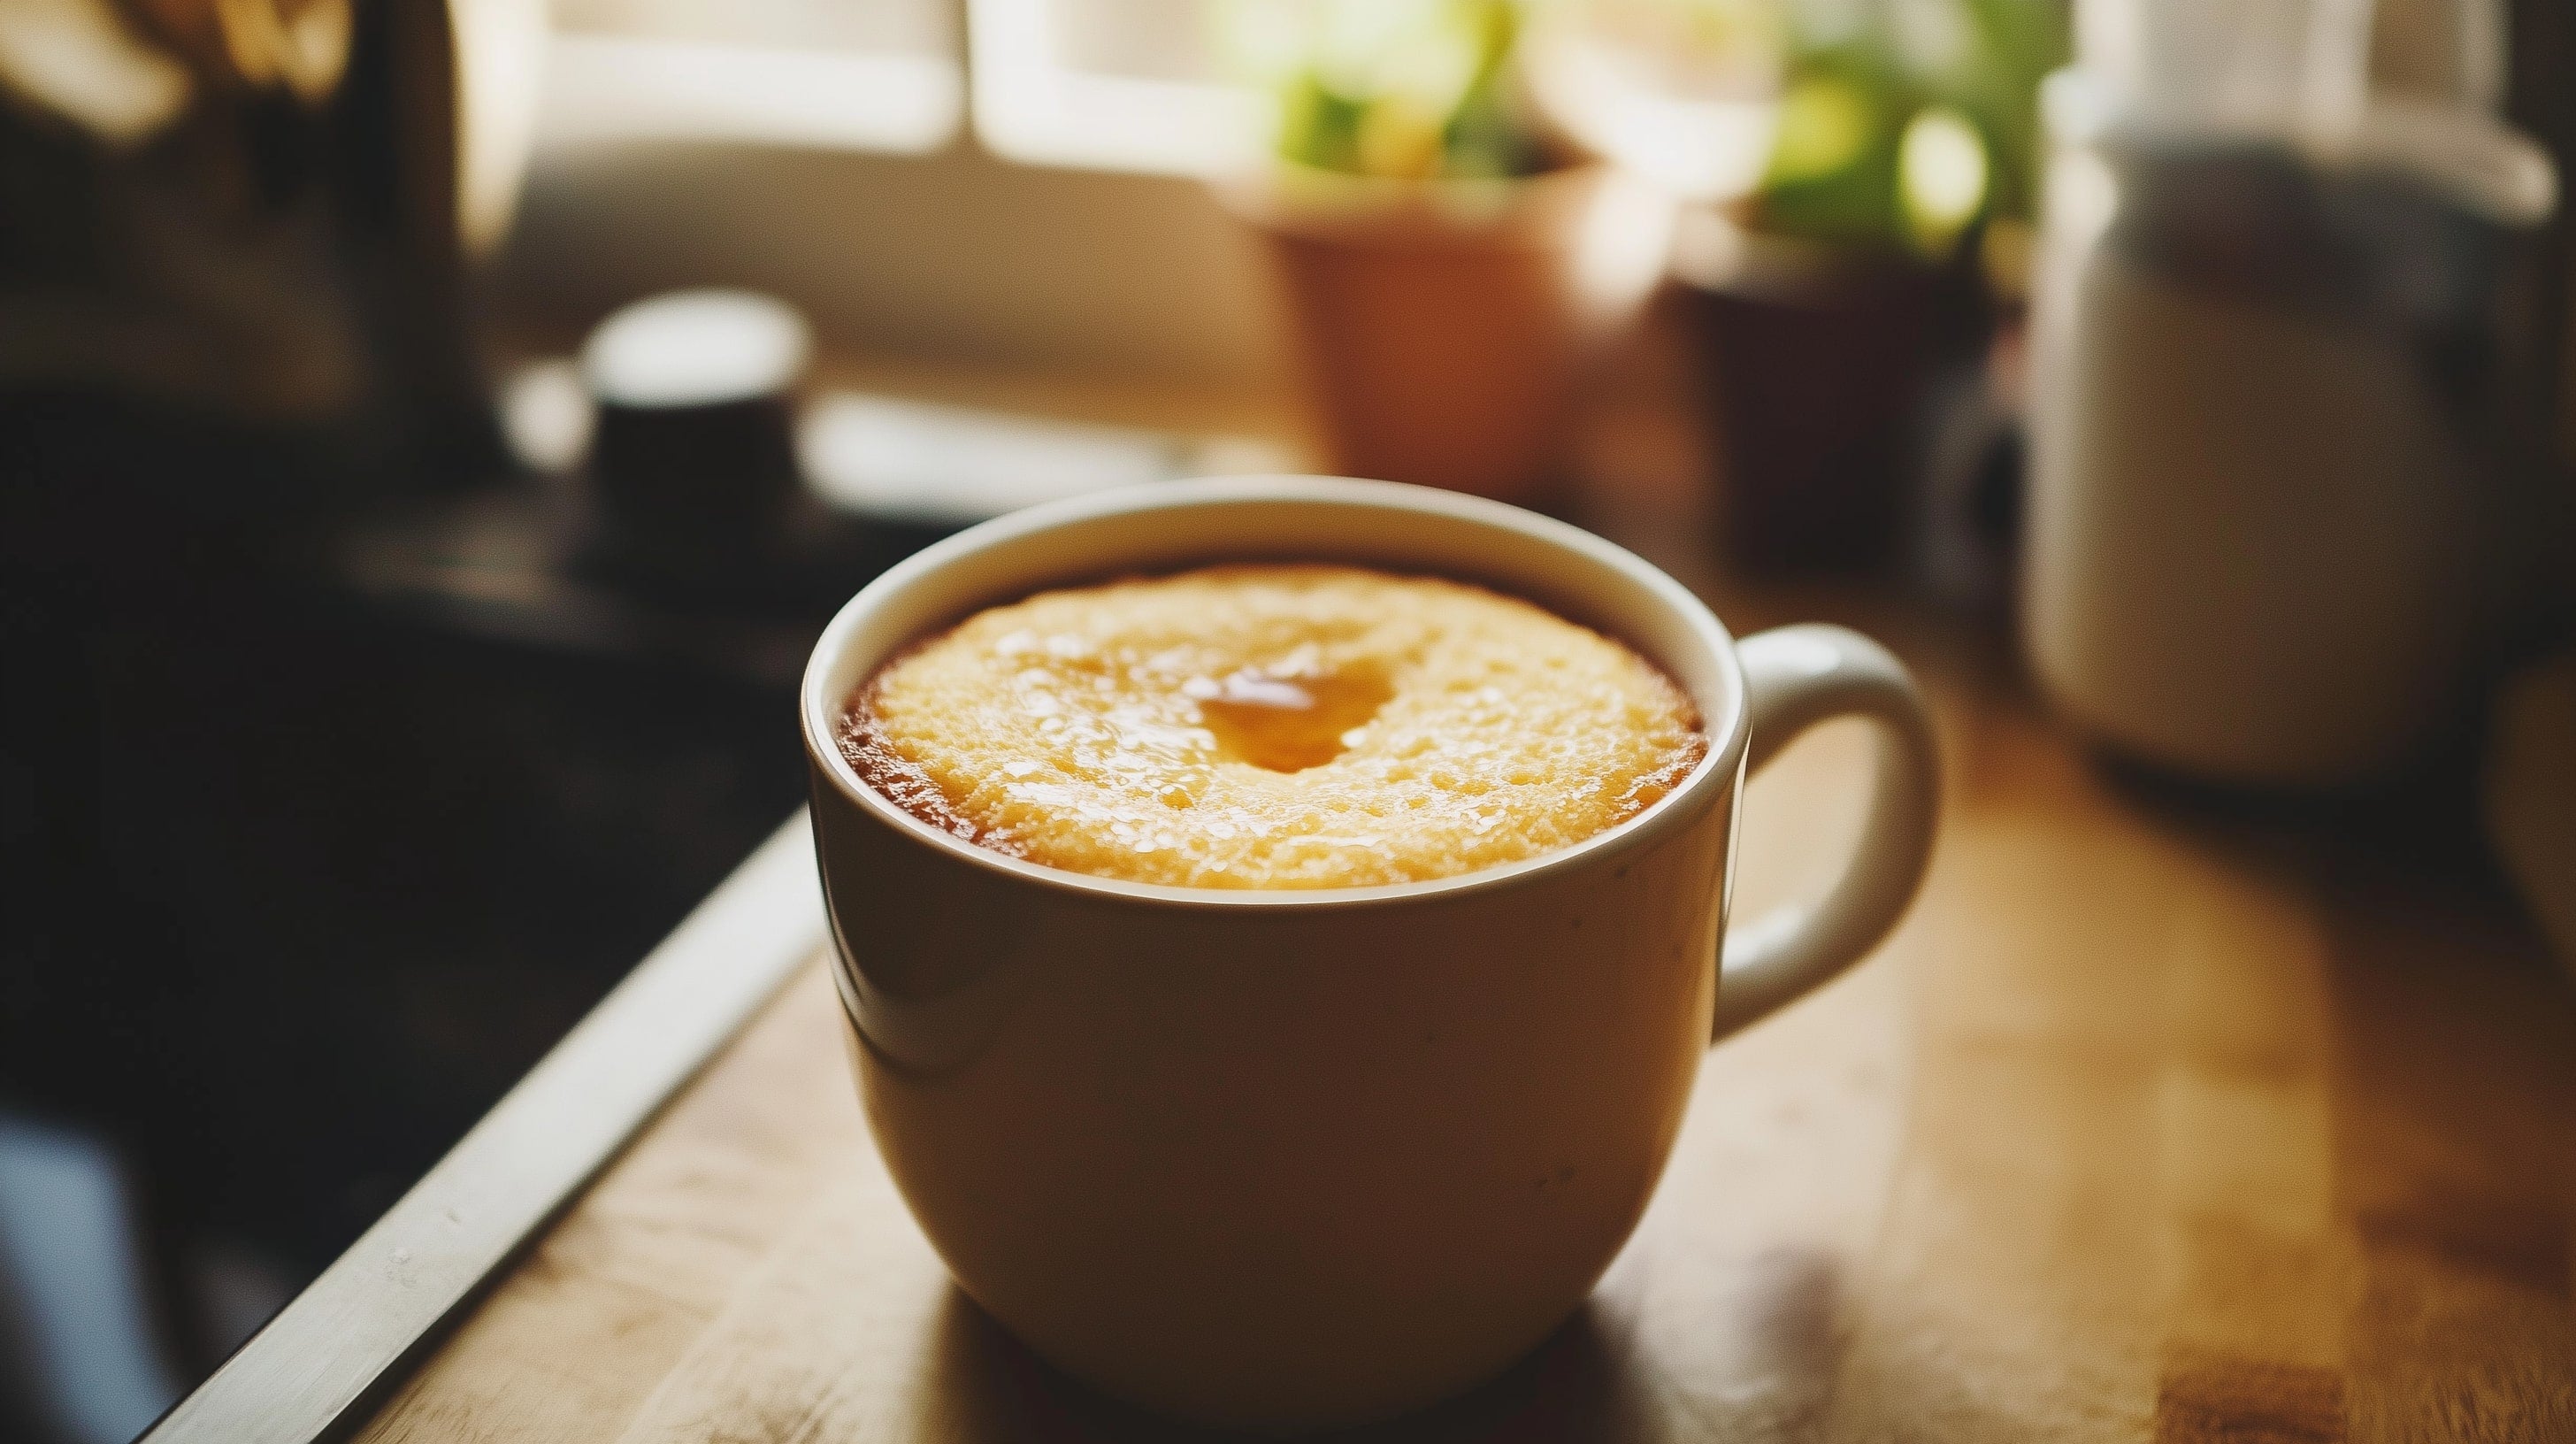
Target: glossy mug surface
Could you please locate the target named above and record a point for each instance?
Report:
(1295, 1158)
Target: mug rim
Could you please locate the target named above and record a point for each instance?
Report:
(820, 713)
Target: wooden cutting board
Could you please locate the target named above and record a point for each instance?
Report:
(2153, 1123)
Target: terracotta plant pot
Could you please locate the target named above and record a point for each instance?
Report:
(1444, 325)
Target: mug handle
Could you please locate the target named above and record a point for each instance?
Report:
(1794, 678)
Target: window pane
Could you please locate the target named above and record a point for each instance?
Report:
(1114, 84)
(852, 74)
(1149, 39)
(920, 27)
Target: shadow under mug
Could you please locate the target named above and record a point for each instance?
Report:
(1296, 1158)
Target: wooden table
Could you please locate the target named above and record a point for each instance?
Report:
(2157, 1120)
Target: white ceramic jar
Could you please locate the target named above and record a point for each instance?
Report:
(2272, 519)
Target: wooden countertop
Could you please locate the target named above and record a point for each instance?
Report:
(2156, 1121)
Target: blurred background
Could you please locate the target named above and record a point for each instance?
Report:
(433, 431)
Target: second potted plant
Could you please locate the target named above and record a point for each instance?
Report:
(1449, 270)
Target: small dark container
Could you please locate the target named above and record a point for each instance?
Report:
(720, 475)
(693, 480)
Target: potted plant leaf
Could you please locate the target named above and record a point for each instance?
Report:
(1448, 267)
(1890, 220)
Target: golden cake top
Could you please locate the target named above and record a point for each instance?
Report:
(1257, 726)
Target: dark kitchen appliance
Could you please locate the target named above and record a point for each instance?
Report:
(298, 871)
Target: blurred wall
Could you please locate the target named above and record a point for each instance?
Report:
(956, 256)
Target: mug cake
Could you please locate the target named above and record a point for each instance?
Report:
(1272, 726)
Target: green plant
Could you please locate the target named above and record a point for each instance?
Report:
(1412, 89)
(1910, 121)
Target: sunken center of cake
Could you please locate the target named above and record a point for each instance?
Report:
(1272, 727)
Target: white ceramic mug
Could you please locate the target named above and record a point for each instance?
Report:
(1295, 1158)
